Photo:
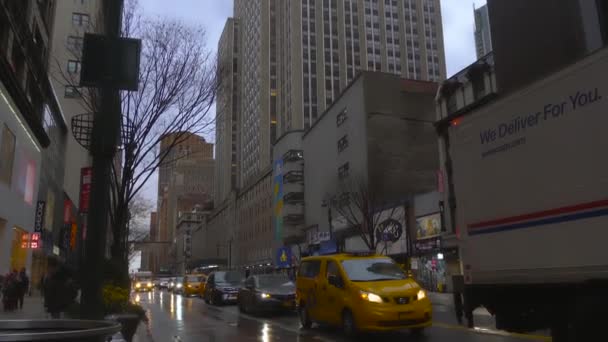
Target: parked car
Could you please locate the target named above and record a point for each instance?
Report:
(193, 283)
(267, 293)
(222, 287)
(360, 292)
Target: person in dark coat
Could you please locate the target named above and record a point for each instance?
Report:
(23, 285)
(59, 288)
(10, 291)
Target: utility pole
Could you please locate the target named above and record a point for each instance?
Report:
(105, 137)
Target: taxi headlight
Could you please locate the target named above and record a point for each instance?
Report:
(138, 285)
(264, 295)
(371, 297)
(149, 284)
(421, 294)
(178, 285)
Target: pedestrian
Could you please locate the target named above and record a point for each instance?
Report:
(23, 285)
(59, 288)
(458, 290)
(10, 291)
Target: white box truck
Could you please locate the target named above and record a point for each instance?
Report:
(530, 185)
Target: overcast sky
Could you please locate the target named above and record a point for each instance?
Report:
(457, 29)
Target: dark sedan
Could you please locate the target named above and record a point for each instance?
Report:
(222, 287)
(267, 293)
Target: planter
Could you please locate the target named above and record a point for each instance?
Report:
(128, 322)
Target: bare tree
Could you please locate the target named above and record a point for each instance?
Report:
(139, 224)
(177, 88)
(363, 211)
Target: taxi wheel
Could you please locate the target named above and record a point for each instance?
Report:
(304, 317)
(348, 323)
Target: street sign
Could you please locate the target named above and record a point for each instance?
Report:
(284, 257)
(39, 219)
(86, 174)
(110, 61)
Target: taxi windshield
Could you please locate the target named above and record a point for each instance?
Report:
(372, 269)
(194, 279)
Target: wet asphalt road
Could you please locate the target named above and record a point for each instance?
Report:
(176, 318)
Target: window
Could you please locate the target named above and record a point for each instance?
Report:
(80, 19)
(452, 105)
(73, 67)
(7, 155)
(71, 91)
(479, 87)
(310, 269)
(343, 171)
(341, 117)
(332, 269)
(342, 143)
(75, 43)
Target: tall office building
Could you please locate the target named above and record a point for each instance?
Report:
(483, 36)
(185, 179)
(291, 59)
(226, 120)
(72, 20)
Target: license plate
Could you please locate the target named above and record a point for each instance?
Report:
(404, 315)
(231, 297)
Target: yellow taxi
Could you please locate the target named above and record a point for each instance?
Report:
(193, 284)
(360, 292)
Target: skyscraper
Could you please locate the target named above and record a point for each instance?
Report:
(291, 59)
(483, 36)
(226, 130)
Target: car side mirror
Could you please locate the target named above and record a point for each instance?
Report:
(335, 281)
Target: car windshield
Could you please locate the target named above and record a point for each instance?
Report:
(372, 269)
(275, 281)
(229, 277)
(194, 279)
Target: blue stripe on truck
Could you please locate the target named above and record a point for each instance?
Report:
(542, 222)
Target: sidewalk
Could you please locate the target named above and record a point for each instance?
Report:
(33, 308)
(446, 299)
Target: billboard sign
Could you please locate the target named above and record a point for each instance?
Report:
(428, 226)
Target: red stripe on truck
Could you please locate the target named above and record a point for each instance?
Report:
(539, 214)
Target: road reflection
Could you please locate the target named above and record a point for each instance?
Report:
(265, 333)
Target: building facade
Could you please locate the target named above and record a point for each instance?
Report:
(376, 145)
(185, 181)
(226, 121)
(295, 57)
(32, 139)
(483, 34)
(286, 62)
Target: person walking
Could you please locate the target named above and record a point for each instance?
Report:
(23, 285)
(10, 291)
(59, 288)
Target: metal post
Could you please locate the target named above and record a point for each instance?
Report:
(329, 220)
(230, 253)
(105, 136)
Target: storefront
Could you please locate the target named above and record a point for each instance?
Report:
(428, 263)
(19, 175)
